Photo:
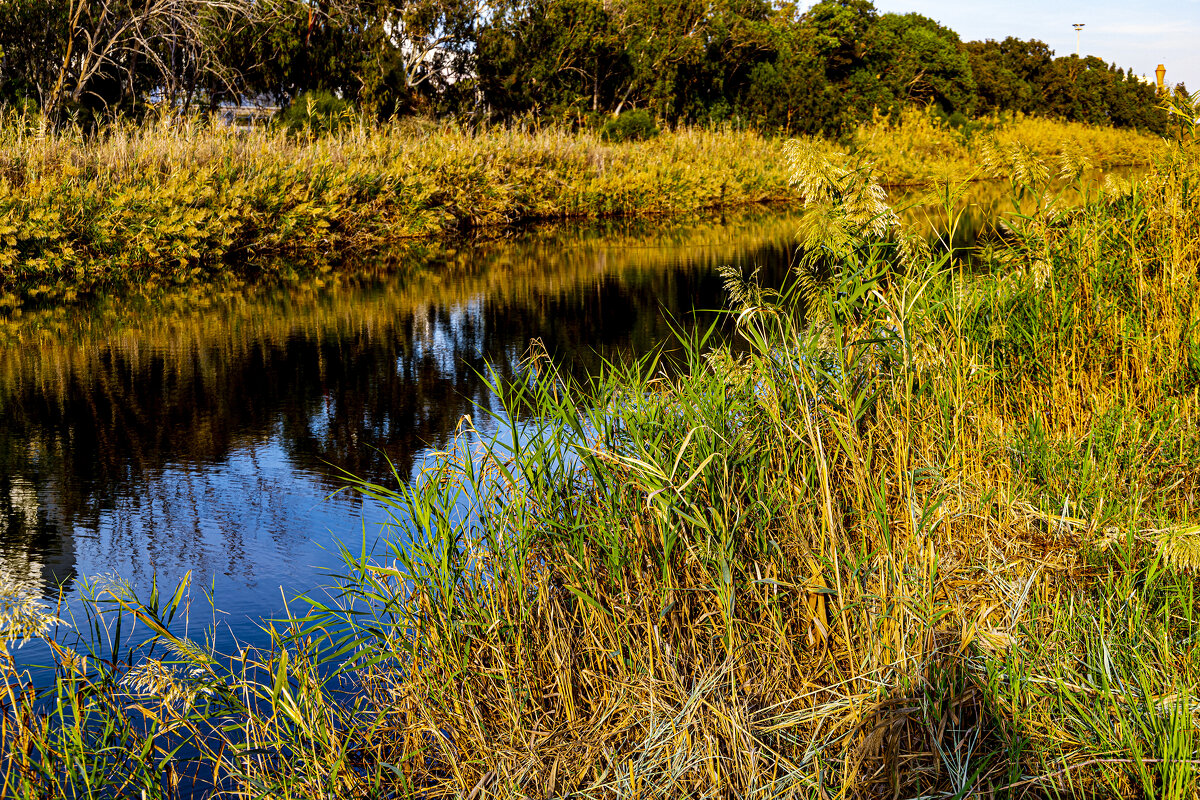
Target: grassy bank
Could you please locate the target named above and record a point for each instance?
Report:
(914, 148)
(928, 534)
(175, 204)
(142, 207)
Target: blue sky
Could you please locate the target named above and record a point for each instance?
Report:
(1132, 34)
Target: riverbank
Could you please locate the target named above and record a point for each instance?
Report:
(137, 208)
(935, 536)
(915, 149)
(457, 270)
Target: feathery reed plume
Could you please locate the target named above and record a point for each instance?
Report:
(1015, 161)
(1072, 161)
(24, 615)
(847, 216)
(1180, 548)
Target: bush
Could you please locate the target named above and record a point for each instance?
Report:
(315, 112)
(631, 126)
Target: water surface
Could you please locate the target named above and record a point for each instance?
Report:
(209, 431)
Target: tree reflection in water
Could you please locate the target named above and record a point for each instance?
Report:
(203, 431)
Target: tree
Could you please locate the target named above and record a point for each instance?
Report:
(106, 53)
(31, 36)
(788, 91)
(411, 50)
(843, 34)
(823, 70)
(681, 59)
(926, 63)
(997, 86)
(562, 56)
(846, 37)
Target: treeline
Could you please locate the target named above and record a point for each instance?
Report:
(760, 63)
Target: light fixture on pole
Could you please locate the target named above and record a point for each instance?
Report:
(1078, 26)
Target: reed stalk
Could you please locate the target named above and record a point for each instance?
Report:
(926, 532)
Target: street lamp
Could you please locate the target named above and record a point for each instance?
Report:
(1078, 26)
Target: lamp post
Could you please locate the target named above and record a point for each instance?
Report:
(1078, 26)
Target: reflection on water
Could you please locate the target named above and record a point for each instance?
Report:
(206, 435)
(205, 431)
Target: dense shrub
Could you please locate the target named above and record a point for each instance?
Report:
(630, 126)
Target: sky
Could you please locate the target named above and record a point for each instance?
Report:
(1132, 34)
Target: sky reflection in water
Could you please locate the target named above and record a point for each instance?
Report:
(208, 436)
(205, 432)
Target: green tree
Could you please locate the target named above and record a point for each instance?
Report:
(843, 34)
(788, 89)
(998, 87)
(561, 56)
(93, 56)
(387, 56)
(32, 37)
(680, 59)
(926, 63)
(846, 37)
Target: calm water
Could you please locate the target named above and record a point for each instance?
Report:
(205, 433)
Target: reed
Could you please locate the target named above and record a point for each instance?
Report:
(182, 202)
(179, 202)
(928, 531)
(915, 147)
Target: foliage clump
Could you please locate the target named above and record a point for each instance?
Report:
(635, 125)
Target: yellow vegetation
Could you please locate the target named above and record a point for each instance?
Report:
(936, 541)
(180, 202)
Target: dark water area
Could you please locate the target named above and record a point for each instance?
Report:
(209, 432)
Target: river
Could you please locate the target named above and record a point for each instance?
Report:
(209, 431)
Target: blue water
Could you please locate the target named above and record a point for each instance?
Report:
(210, 441)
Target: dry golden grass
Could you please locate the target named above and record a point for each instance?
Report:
(912, 546)
(916, 148)
(181, 202)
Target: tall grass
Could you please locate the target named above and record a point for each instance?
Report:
(915, 147)
(926, 533)
(181, 202)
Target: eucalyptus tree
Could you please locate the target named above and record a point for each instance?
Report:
(32, 39)
(401, 53)
(846, 38)
(562, 57)
(998, 86)
(677, 58)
